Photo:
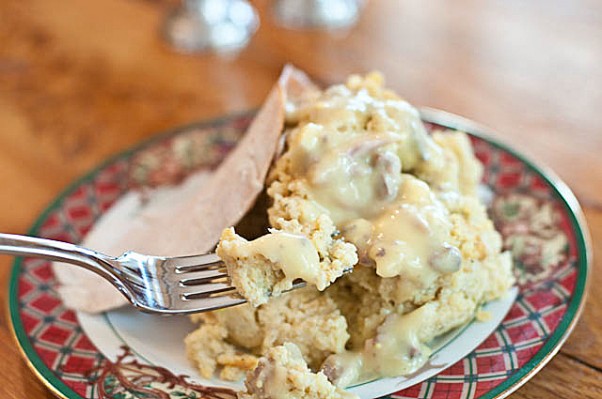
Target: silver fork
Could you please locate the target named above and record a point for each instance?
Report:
(153, 284)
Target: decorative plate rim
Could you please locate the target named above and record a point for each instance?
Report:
(582, 238)
(439, 117)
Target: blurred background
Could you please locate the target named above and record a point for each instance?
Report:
(82, 80)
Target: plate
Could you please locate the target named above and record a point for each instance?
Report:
(125, 354)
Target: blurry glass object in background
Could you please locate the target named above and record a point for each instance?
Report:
(211, 25)
(326, 14)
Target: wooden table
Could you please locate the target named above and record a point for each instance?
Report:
(81, 80)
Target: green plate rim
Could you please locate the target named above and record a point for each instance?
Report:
(442, 118)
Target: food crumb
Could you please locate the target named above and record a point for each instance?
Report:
(483, 315)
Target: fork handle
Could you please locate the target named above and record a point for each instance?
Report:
(19, 245)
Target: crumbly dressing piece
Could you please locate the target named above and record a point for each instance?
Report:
(361, 184)
(274, 261)
(268, 265)
(207, 348)
(283, 374)
(304, 317)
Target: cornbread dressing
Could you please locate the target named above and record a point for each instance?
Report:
(283, 374)
(360, 187)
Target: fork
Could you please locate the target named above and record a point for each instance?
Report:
(154, 284)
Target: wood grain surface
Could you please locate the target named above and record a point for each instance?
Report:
(81, 80)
